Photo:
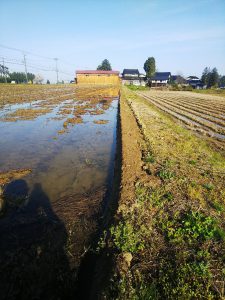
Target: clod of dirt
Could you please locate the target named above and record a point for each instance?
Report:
(76, 120)
(65, 124)
(80, 111)
(61, 131)
(97, 112)
(65, 112)
(101, 121)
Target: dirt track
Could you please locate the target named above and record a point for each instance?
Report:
(131, 153)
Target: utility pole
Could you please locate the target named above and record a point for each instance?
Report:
(25, 65)
(56, 69)
(4, 69)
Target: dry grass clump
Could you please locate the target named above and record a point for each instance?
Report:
(6, 177)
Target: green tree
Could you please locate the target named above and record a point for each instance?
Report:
(205, 76)
(105, 65)
(2, 79)
(30, 76)
(149, 67)
(222, 81)
(213, 78)
(19, 77)
(48, 82)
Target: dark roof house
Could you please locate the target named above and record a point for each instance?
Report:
(130, 72)
(178, 79)
(133, 77)
(161, 76)
(195, 82)
(160, 79)
(192, 78)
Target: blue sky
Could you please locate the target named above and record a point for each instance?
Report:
(183, 36)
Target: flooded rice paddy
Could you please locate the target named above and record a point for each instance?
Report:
(56, 163)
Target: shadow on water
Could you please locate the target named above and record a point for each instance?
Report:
(33, 261)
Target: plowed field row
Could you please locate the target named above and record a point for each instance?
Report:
(207, 116)
(216, 107)
(208, 119)
(198, 108)
(208, 107)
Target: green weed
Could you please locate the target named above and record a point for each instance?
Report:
(192, 162)
(102, 241)
(165, 174)
(127, 238)
(189, 280)
(137, 88)
(149, 158)
(217, 206)
(193, 227)
(208, 186)
(142, 194)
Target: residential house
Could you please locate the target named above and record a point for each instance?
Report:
(133, 77)
(178, 79)
(195, 82)
(160, 79)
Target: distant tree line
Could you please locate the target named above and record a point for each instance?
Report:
(18, 77)
(211, 78)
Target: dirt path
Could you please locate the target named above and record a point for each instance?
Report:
(132, 163)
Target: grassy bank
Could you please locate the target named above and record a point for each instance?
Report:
(168, 235)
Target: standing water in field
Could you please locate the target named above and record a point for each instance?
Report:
(64, 148)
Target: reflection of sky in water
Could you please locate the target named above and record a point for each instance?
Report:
(76, 162)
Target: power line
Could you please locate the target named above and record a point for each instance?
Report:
(24, 51)
(56, 69)
(25, 65)
(21, 63)
(28, 65)
(4, 69)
